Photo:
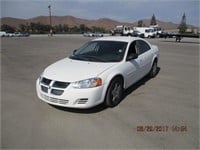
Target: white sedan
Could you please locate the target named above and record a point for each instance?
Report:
(98, 72)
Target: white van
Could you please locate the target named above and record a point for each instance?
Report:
(148, 32)
(157, 29)
(2, 33)
(122, 30)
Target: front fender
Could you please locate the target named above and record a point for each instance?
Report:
(107, 77)
(155, 53)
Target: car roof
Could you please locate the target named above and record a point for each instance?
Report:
(117, 38)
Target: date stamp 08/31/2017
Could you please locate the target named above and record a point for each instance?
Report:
(161, 128)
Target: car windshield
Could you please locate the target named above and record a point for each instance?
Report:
(101, 51)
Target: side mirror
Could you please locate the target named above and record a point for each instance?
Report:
(74, 51)
(132, 56)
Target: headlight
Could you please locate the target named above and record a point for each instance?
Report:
(88, 83)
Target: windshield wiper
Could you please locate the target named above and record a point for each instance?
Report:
(77, 57)
(86, 58)
(92, 58)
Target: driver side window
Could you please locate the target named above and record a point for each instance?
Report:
(132, 49)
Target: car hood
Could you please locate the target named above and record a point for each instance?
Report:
(69, 70)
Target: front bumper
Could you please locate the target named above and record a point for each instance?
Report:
(72, 97)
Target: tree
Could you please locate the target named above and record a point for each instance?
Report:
(27, 27)
(75, 29)
(82, 28)
(192, 30)
(22, 27)
(183, 26)
(7, 28)
(39, 28)
(32, 27)
(140, 23)
(65, 28)
(153, 20)
(60, 28)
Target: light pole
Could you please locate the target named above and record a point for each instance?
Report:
(50, 20)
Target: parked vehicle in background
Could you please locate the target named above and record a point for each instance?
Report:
(18, 34)
(167, 35)
(25, 34)
(2, 34)
(157, 29)
(147, 31)
(93, 34)
(122, 30)
(88, 34)
(98, 72)
(98, 34)
(10, 34)
(163, 35)
(138, 34)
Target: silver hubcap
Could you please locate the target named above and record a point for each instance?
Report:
(116, 92)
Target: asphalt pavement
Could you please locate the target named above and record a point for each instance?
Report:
(160, 113)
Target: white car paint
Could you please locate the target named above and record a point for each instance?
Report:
(84, 70)
(71, 71)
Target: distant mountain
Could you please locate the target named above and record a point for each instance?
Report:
(15, 22)
(73, 21)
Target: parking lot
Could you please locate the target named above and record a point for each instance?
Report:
(161, 113)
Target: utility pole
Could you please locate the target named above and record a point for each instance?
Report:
(51, 32)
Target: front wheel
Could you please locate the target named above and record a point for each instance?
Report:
(154, 69)
(114, 92)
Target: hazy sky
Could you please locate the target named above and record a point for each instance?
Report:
(121, 10)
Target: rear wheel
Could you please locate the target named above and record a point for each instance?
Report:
(114, 92)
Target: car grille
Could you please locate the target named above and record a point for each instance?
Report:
(44, 89)
(58, 84)
(53, 87)
(55, 100)
(45, 81)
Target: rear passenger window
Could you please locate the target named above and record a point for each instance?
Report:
(142, 47)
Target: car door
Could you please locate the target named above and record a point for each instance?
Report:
(131, 67)
(145, 56)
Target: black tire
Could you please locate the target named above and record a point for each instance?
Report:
(114, 92)
(154, 69)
